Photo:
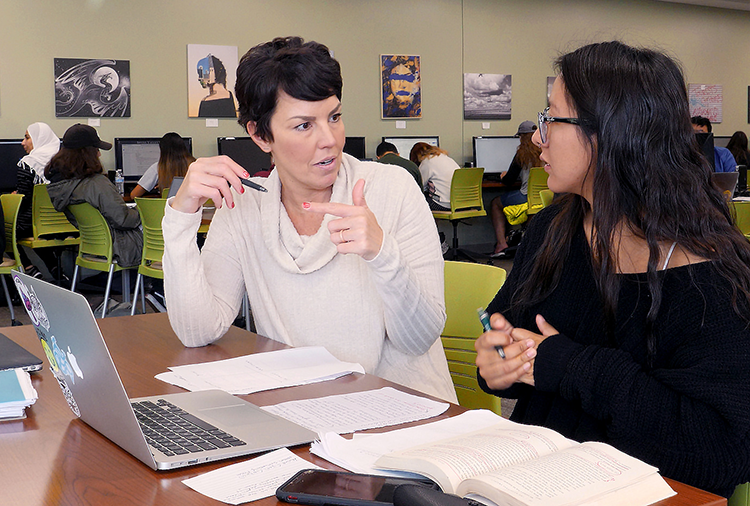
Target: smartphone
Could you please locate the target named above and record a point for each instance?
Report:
(321, 487)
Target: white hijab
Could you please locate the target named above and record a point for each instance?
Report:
(46, 145)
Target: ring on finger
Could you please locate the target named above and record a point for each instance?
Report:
(341, 235)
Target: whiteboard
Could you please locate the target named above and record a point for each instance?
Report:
(494, 154)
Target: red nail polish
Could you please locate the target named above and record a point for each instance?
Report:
(232, 205)
(306, 205)
(246, 174)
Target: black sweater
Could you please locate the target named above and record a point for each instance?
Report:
(688, 415)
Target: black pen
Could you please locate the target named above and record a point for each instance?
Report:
(254, 186)
(485, 319)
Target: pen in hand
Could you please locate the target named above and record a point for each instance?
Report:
(254, 186)
(485, 319)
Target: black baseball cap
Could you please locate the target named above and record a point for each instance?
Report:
(82, 136)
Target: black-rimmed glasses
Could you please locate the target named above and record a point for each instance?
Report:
(545, 120)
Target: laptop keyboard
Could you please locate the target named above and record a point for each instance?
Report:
(174, 431)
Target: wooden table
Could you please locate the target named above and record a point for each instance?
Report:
(52, 458)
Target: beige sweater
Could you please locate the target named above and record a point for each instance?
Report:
(386, 314)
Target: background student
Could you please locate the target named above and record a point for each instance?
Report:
(75, 175)
(625, 317)
(174, 159)
(437, 170)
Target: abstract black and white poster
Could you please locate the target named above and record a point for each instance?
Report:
(487, 96)
(92, 88)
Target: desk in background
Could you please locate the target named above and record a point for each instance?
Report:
(51, 458)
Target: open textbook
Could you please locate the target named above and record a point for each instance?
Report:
(531, 466)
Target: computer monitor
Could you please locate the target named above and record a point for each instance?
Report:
(494, 153)
(134, 155)
(245, 152)
(404, 143)
(355, 146)
(706, 146)
(11, 151)
(721, 140)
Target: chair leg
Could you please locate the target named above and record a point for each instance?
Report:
(106, 291)
(10, 303)
(126, 285)
(143, 297)
(75, 278)
(135, 294)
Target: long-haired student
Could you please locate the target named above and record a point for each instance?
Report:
(625, 317)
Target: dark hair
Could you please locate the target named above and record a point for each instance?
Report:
(737, 145)
(422, 150)
(174, 159)
(302, 70)
(384, 147)
(220, 72)
(74, 163)
(702, 122)
(633, 110)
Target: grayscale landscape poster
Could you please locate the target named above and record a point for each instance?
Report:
(487, 96)
(92, 88)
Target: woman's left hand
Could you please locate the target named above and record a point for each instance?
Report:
(356, 230)
(520, 335)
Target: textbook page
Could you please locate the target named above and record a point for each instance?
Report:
(251, 480)
(359, 454)
(355, 411)
(588, 472)
(261, 371)
(450, 461)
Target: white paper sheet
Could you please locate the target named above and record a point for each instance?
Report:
(359, 454)
(358, 411)
(251, 480)
(261, 371)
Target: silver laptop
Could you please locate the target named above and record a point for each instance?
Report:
(176, 183)
(226, 426)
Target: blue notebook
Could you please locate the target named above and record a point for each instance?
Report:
(10, 388)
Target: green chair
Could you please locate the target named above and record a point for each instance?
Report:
(742, 216)
(95, 250)
(11, 204)
(49, 225)
(546, 197)
(466, 202)
(741, 496)
(468, 286)
(537, 183)
(152, 212)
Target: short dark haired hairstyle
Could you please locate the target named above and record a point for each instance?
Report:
(302, 70)
(384, 147)
(702, 121)
(76, 163)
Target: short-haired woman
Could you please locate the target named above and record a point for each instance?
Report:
(625, 317)
(337, 253)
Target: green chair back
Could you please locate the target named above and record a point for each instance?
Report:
(546, 196)
(537, 183)
(152, 212)
(468, 286)
(47, 221)
(95, 250)
(742, 216)
(11, 204)
(466, 191)
(741, 496)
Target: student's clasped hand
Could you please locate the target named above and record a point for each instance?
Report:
(520, 350)
(356, 230)
(209, 178)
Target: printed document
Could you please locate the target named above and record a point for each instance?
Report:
(351, 412)
(261, 371)
(251, 480)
